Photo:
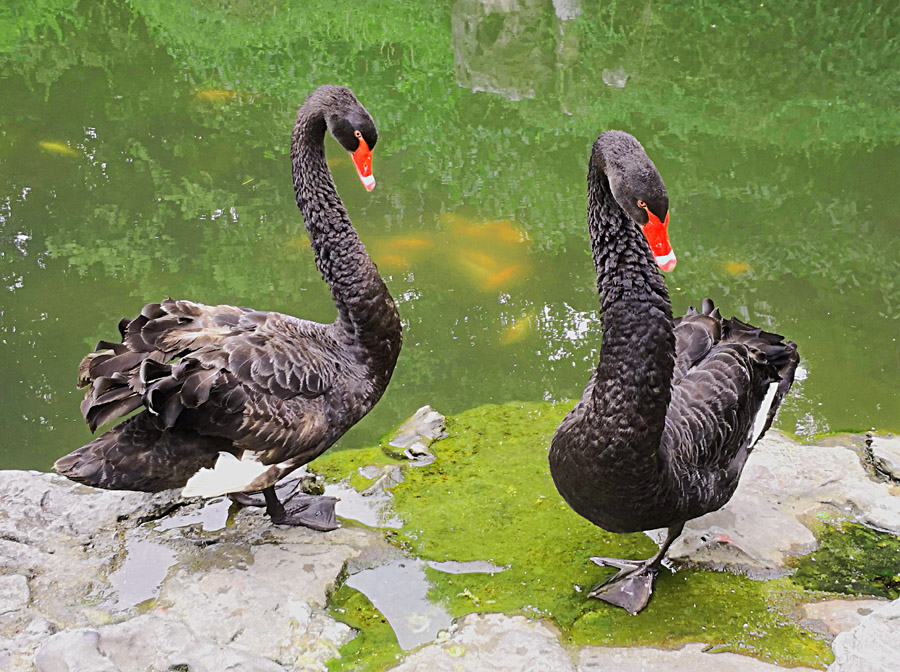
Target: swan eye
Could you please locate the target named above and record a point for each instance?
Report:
(357, 134)
(642, 204)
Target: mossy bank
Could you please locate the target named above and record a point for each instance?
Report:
(488, 495)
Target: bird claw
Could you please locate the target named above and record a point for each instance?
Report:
(313, 511)
(630, 588)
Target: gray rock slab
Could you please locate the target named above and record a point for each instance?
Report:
(886, 454)
(237, 598)
(14, 593)
(833, 617)
(418, 433)
(63, 536)
(426, 425)
(147, 643)
(271, 603)
(689, 658)
(872, 646)
(17, 651)
(493, 643)
(48, 506)
(783, 484)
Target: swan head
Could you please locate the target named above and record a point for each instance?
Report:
(352, 126)
(638, 188)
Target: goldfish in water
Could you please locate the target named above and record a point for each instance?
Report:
(410, 243)
(736, 267)
(392, 262)
(496, 230)
(502, 277)
(518, 330)
(215, 95)
(55, 147)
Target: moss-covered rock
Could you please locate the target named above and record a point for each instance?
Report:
(854, 560)
(489, 496)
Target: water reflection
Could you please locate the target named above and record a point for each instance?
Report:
(514, 48)
(399, 590)
(780, 174)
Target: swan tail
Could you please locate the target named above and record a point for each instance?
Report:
(776, 357)
(771, 360)
(142, 370)
(137, 455)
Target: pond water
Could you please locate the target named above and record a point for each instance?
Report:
(143, 154)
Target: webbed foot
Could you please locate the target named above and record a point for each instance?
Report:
(630, 588)
(313, 511)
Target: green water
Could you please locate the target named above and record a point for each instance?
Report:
(143, 154)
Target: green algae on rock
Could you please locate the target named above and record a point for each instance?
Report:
(852, 559)
(489, 496)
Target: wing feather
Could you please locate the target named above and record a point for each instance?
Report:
(724, 369)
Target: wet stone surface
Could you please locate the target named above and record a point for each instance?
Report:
(783, 486)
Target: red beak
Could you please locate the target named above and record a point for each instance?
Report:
(657, 234)
(362, 159)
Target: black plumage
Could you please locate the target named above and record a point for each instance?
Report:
(671, 413)
(253, 384)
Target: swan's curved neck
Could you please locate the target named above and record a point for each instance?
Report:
(632, 387)
(366, 311)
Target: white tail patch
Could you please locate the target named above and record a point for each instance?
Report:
(763, 413)
(229, 475)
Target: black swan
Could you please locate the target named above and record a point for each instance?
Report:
(235, 399)
(669, 416)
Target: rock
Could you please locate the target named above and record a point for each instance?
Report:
(49, 506)
(17, 652)
(836, 616)
(885, 450)
(371, 507)
(749, 534)
(784, 483)
(872, 645)
(48, 523)
(14, 593)
(493, 643)
(239, 598)
(417, 434)
(75, 562)
(385, 478)
(270, 603)
(148, 643)
(690, 658)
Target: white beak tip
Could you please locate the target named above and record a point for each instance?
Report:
(368, 181)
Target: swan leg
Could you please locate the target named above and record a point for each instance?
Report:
(313, 511)
(632, 586)
(284, 489)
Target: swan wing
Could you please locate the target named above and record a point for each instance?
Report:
(730, 379)
(176, 354)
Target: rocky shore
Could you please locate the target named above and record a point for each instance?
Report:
(121, 582)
